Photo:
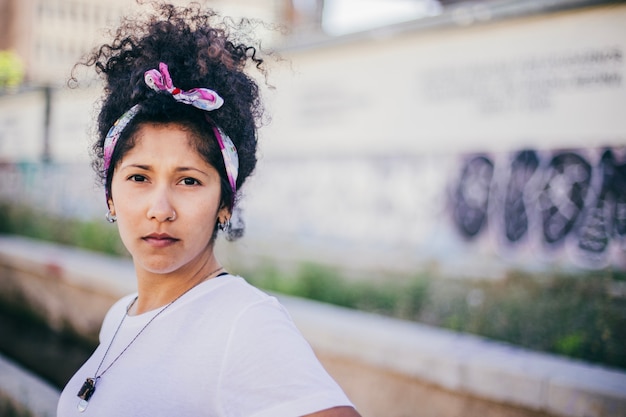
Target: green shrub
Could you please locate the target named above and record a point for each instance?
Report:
(93, 235)
(572, 315)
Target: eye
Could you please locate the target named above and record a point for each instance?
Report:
(189, 181)
(137, 178)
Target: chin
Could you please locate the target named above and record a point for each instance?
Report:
(160, 268)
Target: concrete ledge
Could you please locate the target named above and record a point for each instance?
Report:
(25, 393)
(70, 288)
(466, 366)
(464, 363)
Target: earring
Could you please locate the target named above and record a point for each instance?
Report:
(110, 217)
(224, 227)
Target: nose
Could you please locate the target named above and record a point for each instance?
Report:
(161, 208)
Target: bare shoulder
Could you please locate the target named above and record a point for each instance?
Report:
(336, 412)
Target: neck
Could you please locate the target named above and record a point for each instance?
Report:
(158, 290)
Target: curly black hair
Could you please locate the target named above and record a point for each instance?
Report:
(201, 49)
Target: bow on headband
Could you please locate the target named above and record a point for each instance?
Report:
(201, 98)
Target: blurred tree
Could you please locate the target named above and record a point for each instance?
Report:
(11, 70)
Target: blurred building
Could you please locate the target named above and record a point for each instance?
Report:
(51, 35)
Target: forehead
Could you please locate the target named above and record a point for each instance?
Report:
(163, 140)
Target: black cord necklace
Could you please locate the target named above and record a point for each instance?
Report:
(89, 386)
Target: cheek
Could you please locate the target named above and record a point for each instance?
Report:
(129, 215)
(126, 207)
(201, 218)
(204, 217)
(125, 233)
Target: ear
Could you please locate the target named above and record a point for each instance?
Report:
(111, 206)
(223, 214)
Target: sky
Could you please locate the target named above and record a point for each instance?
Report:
(346, 16)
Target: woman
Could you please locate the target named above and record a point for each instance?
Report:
(177, 139)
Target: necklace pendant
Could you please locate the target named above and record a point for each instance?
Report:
(82, 405)
(85, 393)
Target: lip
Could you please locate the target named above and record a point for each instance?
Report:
(159, 240)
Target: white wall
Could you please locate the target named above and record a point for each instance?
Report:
(549, 81)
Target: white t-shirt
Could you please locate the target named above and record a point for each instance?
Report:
(223, 349)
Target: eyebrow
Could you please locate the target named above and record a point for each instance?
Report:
(149, 168)
(140, 166)
(183, 169)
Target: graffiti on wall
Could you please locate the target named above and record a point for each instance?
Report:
(569, 196)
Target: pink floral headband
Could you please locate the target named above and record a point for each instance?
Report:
(201, 98)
